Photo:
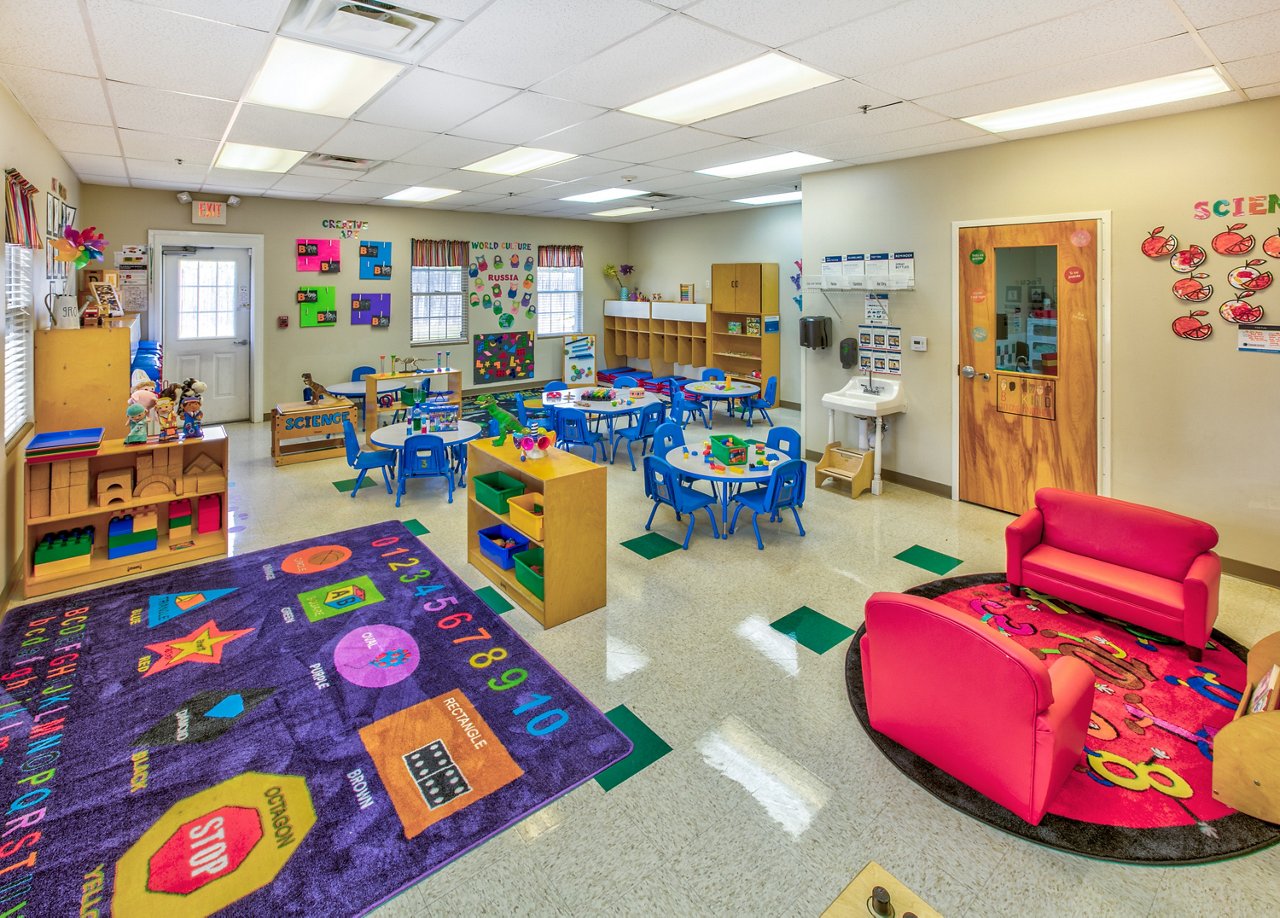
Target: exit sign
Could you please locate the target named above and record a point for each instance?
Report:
(209, 212)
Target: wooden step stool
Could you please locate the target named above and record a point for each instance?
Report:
(855, 466)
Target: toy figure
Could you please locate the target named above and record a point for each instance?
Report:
(192, 416)
(318, 391)
(144, 394)
(137, 424)
(167, 417)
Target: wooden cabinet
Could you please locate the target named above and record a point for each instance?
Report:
(1247, 750)
(573, 537)
(745, 336)
(745, 288)
(82, 376)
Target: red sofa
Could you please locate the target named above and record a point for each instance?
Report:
(969, 699)
(1144, 566)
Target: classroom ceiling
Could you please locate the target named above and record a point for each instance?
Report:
(144, 92)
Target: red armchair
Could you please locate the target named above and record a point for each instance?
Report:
(1144, 566)
(973, 702)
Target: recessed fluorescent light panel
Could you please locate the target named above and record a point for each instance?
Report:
(420, 194)
(765, 164)
(623, 211)
(257, 159)
(324, 81)
(782, 198)
(761, 80)
(1176, 88)
(605, 194)
(518, 160)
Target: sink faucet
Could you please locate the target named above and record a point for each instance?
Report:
(870, 386)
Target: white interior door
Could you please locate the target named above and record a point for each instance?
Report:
(207, 312)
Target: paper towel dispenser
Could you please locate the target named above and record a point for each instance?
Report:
(815, 331)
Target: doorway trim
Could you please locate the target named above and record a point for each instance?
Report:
(256, 244)
(1103, 343)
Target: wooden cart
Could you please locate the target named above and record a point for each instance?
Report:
(301, 432)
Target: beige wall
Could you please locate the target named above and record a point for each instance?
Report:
(668, 253)
(329, 354)
(24, 147)
(1195, 425)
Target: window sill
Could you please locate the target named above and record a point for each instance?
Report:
(452, 341)
(15, 442)
(568, 334)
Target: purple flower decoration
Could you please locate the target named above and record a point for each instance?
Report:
(624, 270)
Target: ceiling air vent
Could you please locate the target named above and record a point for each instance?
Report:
(345, 163)
(367, 27)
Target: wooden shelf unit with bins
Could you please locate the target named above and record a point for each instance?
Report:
(82, 375)
(373, 414)
(1246, 752)
(678, 335)
(573, 538)
(743, 293)
(114, 456)
(626, 332)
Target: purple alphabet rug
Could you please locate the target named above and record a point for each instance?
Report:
(304, 728)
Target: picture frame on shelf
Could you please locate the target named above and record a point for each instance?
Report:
(1013, 294)
(1035, 295)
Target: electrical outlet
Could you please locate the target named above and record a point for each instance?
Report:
(919, 343)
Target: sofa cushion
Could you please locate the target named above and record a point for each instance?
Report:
(1143, 539)
(1102, 577)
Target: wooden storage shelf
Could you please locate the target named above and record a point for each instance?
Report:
(372, 413)
(505, 519)
(82, 376)
(742, 292)
(573, 542)
(1246, 752)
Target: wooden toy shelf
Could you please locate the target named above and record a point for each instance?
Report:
(745, 295)
(573, 538)
(1246, 752)
(172, 477)
(665, 334)
(372, 413)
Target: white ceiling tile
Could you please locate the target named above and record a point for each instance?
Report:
(1263, 92)
(369, 189)
(291, 195)
(1233, 41)
(669, 54)
(660, 146)
(510, 44)
(775, 24)
(608, 130)
(427, 100)
(191, 173)
(53, 37)
(144, 109)
(74, 137)
(278, 127)
(580, 167)
(1204, 13)
(462, 199)
(60, 96)
(524, 117)
(516, 184)
(306, 184)
(630, 173)
(449, 152)
(254, 14)
(310, 171)
(145, 145)
(734, 152)
(462, 180)
(152, 47)
(95, 164)
(372, 141)
(234, 181)
(161, 184)
(823, 133)
(930, 149)
(855, 148)
(682, 182)
(103, 180)
(404, 173)
(345, 198)
(1255, 71)
(819, 104)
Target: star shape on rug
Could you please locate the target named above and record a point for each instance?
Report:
(204, 645)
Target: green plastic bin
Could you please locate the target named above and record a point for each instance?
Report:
(527, 578)
(494, 489)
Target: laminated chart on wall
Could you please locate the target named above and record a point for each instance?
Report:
(371, 309)
(902, 271)
(507, 355)
(880, 349)
(375, 260)
(501, 278)
(321, 255)
(317, 307)
(1262, 339)
(580, 359)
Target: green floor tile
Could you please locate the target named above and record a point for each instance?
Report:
(935, 562)
(494, 600)
(649, 747)
(416, 527)
(650, 546)
(348, 484)
(812, 629)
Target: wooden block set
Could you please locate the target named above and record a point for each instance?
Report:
(58, 488)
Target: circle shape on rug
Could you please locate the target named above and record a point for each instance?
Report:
(315, 559)
(1142, 792)
(375, 656)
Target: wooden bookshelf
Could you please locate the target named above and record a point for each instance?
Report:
(1247, 750)
(679, 336)
(626, 332)
(745, 336)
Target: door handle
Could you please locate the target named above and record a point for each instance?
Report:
(241, 341)
(968, 372)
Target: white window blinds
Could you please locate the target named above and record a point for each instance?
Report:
(559, 301)
(18, 324)
(437, 311)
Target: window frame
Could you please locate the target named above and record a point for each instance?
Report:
(19, 318)
(428, 295)
(546, 291)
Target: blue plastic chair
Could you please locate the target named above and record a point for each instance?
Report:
(751, 404)
(531, 418)
(360, 373)
(785, 440)
(683, 408)
(667, 436)
(625, 382)
(718, 375)
(363, 460)
(556, 385)
(424, 456)
(642, 430)
(663, 486)
(572, 430)
(785, 489)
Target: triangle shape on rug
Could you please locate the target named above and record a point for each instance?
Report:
(231, 706)
(166, 606)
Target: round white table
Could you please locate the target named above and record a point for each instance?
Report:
(394, 435)
(718, 389)
(569, 398)
(358, 389)
(694, 466)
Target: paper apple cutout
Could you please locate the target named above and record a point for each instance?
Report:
(1191, 289)
(1238, 312)
(1230, 242)
(1190, 326)
(1158, 246)
(1248, 277)
(1271, 245)
(1184, 261)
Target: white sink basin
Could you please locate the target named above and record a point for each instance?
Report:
(855, 399)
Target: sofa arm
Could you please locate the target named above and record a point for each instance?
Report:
(1022, 535)
(1200, 598)
(1072, 682)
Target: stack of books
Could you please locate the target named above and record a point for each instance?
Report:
(65, 444)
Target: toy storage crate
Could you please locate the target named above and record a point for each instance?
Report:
(525, 576)
(498, 555)
(494, 489)
(729, 449)
(523, 516)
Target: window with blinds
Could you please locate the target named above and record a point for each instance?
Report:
(436, 313)
(559, 301)
(18, 324)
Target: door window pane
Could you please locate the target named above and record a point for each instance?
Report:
(1026, 297)
(206, 298)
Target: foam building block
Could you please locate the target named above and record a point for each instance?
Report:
(62, 551)
(209, 513)
(132, 534)
(179, 521)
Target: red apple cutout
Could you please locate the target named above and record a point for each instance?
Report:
(1190, 326)
(1238, 312)
(1158, 246)
(1248, 277)
(1191, 290)
(1271, 245)
(1230, 242)
(1187, 260)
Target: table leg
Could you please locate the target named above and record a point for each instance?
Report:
(724, 510)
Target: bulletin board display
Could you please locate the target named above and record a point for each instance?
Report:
(503, 356)
(375, 260)
(317, 307)
(580, 360)
(320, 255)
(372, 309)
(501, 279)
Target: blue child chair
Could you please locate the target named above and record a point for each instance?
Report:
(625, 382)
(424, 456)
(555, 385)
(531, 418)
(751, 404)
(785, 440)
(784, 490)
(662, 485)
(572, 430)
(683, 408)
(363, 460)
(360, 373)
(642, 430)
(667, 435)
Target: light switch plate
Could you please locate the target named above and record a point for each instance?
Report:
(919, 343)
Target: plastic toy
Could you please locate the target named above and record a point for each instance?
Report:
(137, 416)
(192, 417)
(317, 391)
(167, 418)
(507, 423)
(534, 445)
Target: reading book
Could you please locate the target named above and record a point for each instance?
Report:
(1266, 687)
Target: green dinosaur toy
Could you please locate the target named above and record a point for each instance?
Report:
(507, 422)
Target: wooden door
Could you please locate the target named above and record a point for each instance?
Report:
(724, 288)
(1028, 361)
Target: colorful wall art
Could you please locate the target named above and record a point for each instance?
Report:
(371, 309)
(322, 255)
(375, 261)
(501, 279)
(317, 307)
(503, 356)
(580, 359)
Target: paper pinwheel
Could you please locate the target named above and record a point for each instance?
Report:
(79, 246)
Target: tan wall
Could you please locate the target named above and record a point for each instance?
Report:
(1195, 425)
(329, 354)
(24, 147)
(668, 253)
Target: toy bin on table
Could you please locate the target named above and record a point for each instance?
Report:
(729, 449)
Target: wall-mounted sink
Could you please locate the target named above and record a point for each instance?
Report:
(855, 399)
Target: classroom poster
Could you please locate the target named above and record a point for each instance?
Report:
(375, 260)
(503, 356)
(321, 255)
(880, 349)
(501, 278)
(580, 360)
(371, 309)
